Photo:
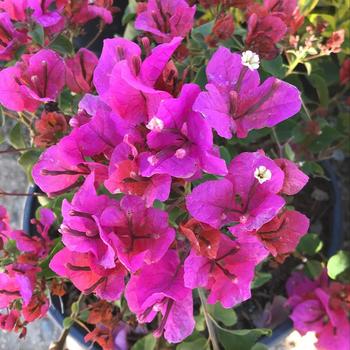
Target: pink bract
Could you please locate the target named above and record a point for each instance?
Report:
(160, 288)
(236, 103)
(37, 79)
(166, 19)
(239, 197)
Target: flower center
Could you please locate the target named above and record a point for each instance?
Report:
(262, 174)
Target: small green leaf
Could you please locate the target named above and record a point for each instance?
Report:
(130, 32)
(199, 343)
(260, 346)
(260, 279)
(68, 322)
(146, 343)
(308, 67)
(310, 244)
(227, 316)
(225, 154)
(16, 137)
(306, 6)
(27, 161)
(75, 307)
(200, 322)
(339, 265)
(38, 35)
(274, 67)
(205, 29)
(313, 168)
(289, 152)
(128, 18)
(62, 44)
(2, 136)
(320, 85)
(2, 117)
(45, 269)
(313, 268)
(243, 339)
(201, 77)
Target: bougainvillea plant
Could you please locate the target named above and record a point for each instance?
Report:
(167, 166)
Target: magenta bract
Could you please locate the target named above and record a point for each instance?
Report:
(236, 103)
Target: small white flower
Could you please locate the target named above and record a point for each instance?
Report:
(180, 153)
(262, 174)
(155, 124)
(152, 160)
(250, 60)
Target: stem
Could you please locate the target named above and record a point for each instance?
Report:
(16, 150)
(306, 109)
(82, 325)
(208, 321)
(280, 147)
(100, 30)
(239, 44)
(292, 66)
(59, 344)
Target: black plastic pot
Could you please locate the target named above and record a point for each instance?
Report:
(281, 331)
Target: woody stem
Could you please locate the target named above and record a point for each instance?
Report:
(210, 325)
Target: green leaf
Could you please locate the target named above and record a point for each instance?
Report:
(16, 137)
(306, 6)
(146, 343)
(313, 268)
(289, 152)
(201, 78)
(320, 85)
(204, 30)
(38, 35)
(130, 32)
(308, 67)
(310, 244)
(27, 161)
(313, 168)
(2, 137)
(339, 265)
(260, 346)
(128, 18)
(45, 269)
(68, 322)
(274, 67)
(2, 117)
(200, 322)
(199, 343)
(260, 279)
(75, 307)
(225, 154)
(62, 44)
(328, 136)
(227, 316)
(243, 339)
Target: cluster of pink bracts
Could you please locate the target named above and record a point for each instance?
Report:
(136, 138)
